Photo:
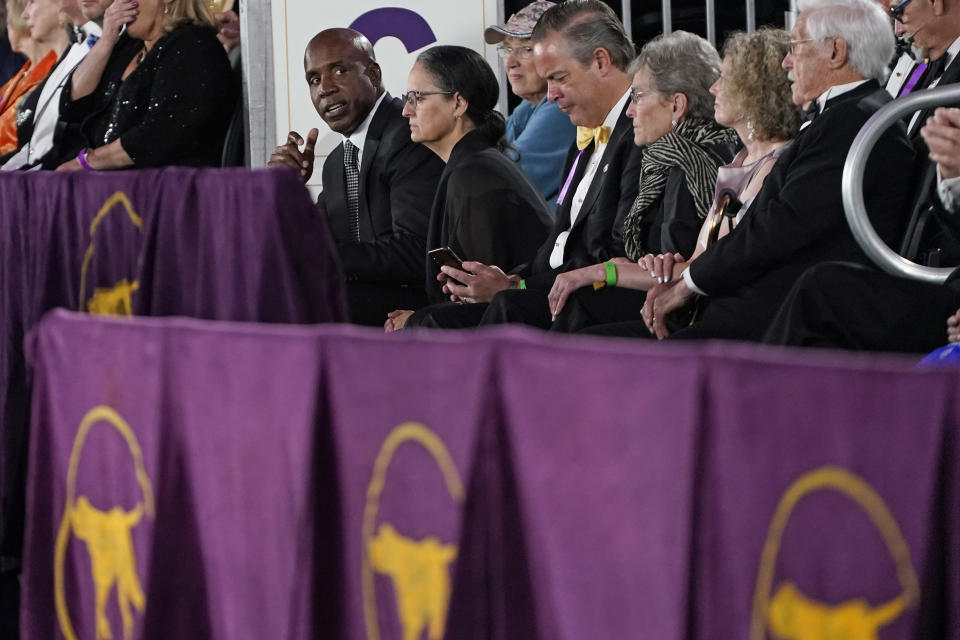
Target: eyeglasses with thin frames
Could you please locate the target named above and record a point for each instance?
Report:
(414, 98)
(896, 11)
(522, 52)
(635, 95)
(794, 43)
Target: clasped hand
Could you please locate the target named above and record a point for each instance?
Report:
(661, 301)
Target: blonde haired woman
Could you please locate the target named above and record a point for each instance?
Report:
(159, 94)
(34, 29)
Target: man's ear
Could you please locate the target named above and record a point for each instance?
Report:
(601, 58)
(839, 55)
(938, 8)
(375, 74)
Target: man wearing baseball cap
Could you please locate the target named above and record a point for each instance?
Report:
(541, 133)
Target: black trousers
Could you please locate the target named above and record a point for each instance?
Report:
(447, 315)
(626, 329)
(850, 306)
(519, 306)
(587, 307)
(369, 303)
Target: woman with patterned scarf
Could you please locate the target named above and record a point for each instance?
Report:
(672, 111)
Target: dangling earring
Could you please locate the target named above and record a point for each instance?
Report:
(166, 9)
(750, 129)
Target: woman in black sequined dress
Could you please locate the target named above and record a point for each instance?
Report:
(159, 94)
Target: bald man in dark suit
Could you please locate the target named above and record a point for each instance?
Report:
(381, 226)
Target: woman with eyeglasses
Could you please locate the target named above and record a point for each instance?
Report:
(485, 208)
(540, 132)
(752, 96)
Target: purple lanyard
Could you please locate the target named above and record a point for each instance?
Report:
(566, 185)
(914, 79)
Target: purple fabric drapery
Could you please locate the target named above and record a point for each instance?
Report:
(337, 483)
(216, 244)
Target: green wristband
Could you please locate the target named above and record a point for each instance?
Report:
(523, 284)
(611, 268)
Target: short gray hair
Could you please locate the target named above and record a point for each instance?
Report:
(685, 63)
(585, 26)
(862, 24)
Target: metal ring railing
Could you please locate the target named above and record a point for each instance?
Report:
(852, 184)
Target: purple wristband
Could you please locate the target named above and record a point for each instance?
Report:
(82, 159)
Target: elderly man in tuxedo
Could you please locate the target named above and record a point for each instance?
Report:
(851, 306)
(838, 58)
(377, 183)
(582, 50)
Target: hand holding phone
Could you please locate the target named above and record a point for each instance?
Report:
(446, 257)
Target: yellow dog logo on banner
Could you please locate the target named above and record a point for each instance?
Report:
(116, 300)
(790, 614)
(107, 535)
(419, 569)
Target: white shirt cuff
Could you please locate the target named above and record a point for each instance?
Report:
(690, 283)
(949, 191)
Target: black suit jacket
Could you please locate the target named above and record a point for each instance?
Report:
(950, 75)
(931, 228)
(798, 220)
(398, 179)
(597, 233)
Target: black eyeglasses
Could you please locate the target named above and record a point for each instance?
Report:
(896, 11)
(414, 98)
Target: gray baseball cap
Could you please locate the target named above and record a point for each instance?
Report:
(520, 24)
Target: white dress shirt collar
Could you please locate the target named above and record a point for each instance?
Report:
(837, 90)
(359, 135)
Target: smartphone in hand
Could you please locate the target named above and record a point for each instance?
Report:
(446, 257)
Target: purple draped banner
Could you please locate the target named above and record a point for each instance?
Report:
(216, 244)
(215, 480)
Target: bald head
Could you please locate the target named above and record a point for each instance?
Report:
(346, 40)
(343, 76)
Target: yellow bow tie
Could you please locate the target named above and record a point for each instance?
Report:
(599, 135)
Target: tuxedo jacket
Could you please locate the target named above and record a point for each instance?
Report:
(797, 219)
(597, 233)
(931, 229)
(486, 210)
(398, 178)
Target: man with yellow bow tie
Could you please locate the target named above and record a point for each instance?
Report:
(582, 50)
